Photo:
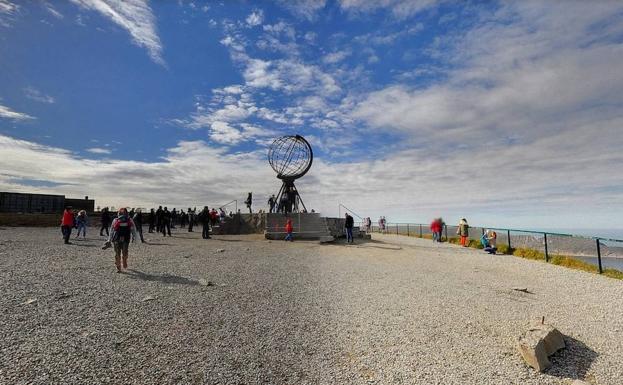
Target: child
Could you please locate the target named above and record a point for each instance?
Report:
(289, 230)
(463, 232)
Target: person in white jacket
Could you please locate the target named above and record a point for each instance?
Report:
(123, 230)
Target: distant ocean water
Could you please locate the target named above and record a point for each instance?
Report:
(602, 233)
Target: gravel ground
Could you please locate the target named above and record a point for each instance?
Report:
(243, 310)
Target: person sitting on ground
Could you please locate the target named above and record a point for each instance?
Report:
(491, 237)
(289, 230)
(122, 232)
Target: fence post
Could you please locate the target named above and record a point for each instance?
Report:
(420, 230)
(508, 236)
(408, 233)
(546, 254)
(599, 256)
(396, 228)
(445, 227)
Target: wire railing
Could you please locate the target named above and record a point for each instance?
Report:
(604, 252)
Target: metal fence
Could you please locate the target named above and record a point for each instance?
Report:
(603, 252)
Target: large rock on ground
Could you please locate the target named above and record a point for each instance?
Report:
(539, 342)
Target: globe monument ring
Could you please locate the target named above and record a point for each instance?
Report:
(291, 157)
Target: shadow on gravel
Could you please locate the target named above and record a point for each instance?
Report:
(157, 243)
(164, 278)
(572, 362)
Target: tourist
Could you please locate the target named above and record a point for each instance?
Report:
(289, 230)
(271, 203)
(442, 225)
(173, 217)
(205, 219)
(191, 220)
(491, 237)
(166, 222)
(152, 220)
(138, 223)
(249, 202)
(159, 219)
(213, 218)
(222, 215)
(348, 225)
(435, 229)
(81, 223)
(105, 221)
(67, 223)
(183, 219)
(463, 232)
(123, 230)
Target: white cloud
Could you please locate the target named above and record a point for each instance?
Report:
(98, 150)
(399, 8)
(289, 75)
(7, 113)
(304, 8)
(336, 57)
(35, 94)
(255, 18)
(136, 17)
(53, 11)
(8, 7)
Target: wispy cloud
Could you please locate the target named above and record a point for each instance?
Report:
(136, 17)
(399, 8)
(50, 8)
(7, 113)
(99, 150)
(35, 94)
(7, 7)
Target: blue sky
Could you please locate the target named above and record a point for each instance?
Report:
(509, 113)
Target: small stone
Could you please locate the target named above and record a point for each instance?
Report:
(220, 250)
(29, 301)
(205, 282)
(580, 382)
(149, 298)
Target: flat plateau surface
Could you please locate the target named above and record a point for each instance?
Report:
(243, 310)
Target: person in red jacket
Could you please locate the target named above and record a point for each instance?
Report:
(435, 228)
(67, 223)
(289, 230)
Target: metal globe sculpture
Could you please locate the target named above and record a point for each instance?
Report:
(291, 157)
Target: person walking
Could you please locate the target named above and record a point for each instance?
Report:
(463, 232)
(349, 222)
(166, 222)
(435, 228)
(289, 230)
(105, 221)
(123, 230)
(182, 219)
(81, 222)
(173, 217)
(138, 223)
(67, 223)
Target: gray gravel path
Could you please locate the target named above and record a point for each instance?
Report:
(242, 310)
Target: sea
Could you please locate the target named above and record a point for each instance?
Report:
(606, 262)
